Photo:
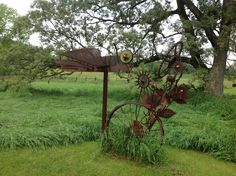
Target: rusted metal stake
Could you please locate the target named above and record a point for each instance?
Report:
(104, 99)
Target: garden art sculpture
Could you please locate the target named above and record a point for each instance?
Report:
(134, 119)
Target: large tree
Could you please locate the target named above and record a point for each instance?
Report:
(141, 25)
(21, 62)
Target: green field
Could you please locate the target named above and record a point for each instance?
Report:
(68, 113)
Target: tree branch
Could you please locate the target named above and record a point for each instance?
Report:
(138, 3)
(200, 16)
(158, 57)
(125, 23)
(171, 35)
(189, 33)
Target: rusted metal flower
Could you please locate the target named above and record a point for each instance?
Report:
(178, 66)
(170, 78)
(155, 102)
(126, 56)
(143, 80)
(179, 94)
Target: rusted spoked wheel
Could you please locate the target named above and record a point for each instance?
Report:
(133, 120)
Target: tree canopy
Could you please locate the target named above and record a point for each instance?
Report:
(146, 27)
(143, 26)
(20, 62)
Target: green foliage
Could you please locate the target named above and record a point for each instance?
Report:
(200, 79)
(73, 117)
(74, 24)
(22, 63)
(231, 73)
(13, 26)
(222, 107)
(7, 16)
(68, 24)
(188, 69)
(21, 29)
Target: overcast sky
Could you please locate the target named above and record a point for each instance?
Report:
(22, 6)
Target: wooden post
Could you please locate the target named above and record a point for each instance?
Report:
(104, 99)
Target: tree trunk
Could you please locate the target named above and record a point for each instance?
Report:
(216, 82)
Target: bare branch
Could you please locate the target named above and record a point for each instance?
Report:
(171, 35)
(234, 60)
(158, 57)
(138, 3)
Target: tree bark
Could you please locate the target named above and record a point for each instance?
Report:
(216, 82)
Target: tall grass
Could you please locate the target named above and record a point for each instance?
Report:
(53, 136)
(207, 124)
(146, 150)
(55, 113)
(69, 111)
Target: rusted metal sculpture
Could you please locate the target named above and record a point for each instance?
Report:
(134, 118)
(90, 60)
(137, 118)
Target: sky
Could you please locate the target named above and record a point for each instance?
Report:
(21, 6)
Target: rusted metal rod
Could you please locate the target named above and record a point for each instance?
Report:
(104, 99)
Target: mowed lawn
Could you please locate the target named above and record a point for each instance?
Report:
(87, 159)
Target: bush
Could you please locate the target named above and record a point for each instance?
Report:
(199, 79)
(231, 73)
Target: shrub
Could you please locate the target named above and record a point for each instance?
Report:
(200, 79)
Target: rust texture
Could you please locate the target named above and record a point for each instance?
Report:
(90, 60)
(154, 98)
(153, 101)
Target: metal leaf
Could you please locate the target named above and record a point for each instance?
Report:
(166, 113)
(153, 100)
